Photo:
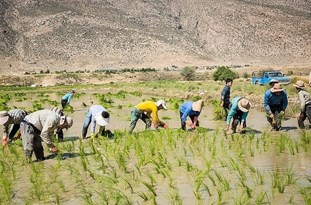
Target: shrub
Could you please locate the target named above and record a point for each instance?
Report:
(188, 73)
(223, 72)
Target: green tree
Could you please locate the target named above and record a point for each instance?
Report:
(188, 73)
(223, 72)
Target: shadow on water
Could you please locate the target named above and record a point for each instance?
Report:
(64, 156)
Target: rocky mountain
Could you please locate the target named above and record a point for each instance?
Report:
(93, 34)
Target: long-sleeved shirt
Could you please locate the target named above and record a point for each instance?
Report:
(95, 110)
(151, 109)
(17, 116)
(271, 99)
(234, 108)
(304, 98)
(67, 97)
(46, 121)
(225, 94)
(186, 109)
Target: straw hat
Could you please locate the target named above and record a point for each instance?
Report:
(102, 118)
(273, 81)
(198, 105)
(4, 117)
(244, 105)
(277, 87)
(299, 84)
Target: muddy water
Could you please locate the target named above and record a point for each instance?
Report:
(264, 161)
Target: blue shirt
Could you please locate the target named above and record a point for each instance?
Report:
(186, 109)
(67, 97)
(271, 99)
(234, 108)
(225, 94)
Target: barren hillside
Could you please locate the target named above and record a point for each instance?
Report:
(78, 34)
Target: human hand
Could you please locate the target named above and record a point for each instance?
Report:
(4, 142)
(54, 149)
(282, 113)
(271, 115)
(93, 135)
(165, 126)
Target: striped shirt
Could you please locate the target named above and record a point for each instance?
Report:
(17, 116)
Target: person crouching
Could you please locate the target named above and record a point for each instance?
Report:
(40, 126)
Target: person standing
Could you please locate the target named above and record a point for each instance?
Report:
(147, 111)
(275, 103)
(305, 104)
(237, 114)
(66, 99)
(192, 110)
(96, 114)
(40, 126)
(12, 117)
(225, 96)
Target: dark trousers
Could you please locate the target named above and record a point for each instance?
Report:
(64, 103)
(275, 109)
(237, 119)
(304, 115)
(226, 107)
(183, 124)
(32, 141)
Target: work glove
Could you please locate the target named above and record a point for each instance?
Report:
(54, 150)
(271, 115)
(282, 113)
(93, 135)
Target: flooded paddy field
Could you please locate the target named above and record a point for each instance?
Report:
(164, 166)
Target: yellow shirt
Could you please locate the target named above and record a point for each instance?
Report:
(150, 107)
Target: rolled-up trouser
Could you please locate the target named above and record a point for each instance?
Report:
(136, 114)
(275, 109)
(237, 119)
(183, 124)
(303, 115)
(31, 141)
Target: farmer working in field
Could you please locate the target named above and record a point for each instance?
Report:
(275, 103)
(12, 117)
(39, 126)
(305, 104)
(66, 99)
(193, 110)
(96, 114)
(225, 96)
(238, 114)
(147, 111)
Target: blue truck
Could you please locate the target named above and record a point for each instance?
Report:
(264, 77)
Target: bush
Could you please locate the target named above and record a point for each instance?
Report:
(188, 73)
(223, 72)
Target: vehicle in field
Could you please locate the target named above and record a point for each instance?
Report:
(264, 77)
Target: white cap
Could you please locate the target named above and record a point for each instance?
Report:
(161, 102)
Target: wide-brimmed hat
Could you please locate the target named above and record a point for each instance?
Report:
(102, 118)
(161, 102)
(198, 105)
(67, 120)
(299, 84)
(273, 81)
(244, 104)
(277, 87)
(4, 117)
